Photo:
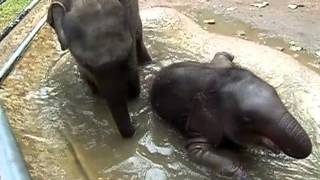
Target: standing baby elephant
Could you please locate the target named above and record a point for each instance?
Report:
(218, 102)
(105, 37)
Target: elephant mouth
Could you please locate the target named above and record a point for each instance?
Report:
(269, 144)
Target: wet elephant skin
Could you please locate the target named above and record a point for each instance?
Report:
(212, 103)
(105, 37)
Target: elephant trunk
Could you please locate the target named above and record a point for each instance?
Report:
(291, 138)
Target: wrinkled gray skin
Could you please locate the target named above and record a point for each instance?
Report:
(105, 37)
(218, 103)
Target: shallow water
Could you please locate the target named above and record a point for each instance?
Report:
(67, 133)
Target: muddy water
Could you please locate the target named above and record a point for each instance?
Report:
(67, 133)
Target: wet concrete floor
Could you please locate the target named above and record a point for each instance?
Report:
(232, 27)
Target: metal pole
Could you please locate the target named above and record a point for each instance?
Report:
(16, 21)
(5, 70)
(12, 164)
(2, 1)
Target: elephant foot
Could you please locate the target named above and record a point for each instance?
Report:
(222, 59)
(201, 151)
(127, 132)
(123, 121)
(227, 55)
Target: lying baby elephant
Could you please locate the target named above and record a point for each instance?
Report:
(105, 37)
(218, 102)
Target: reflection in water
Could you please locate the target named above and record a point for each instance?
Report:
(67, 133)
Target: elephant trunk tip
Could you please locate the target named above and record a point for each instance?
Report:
(293, 139)
(301, 152)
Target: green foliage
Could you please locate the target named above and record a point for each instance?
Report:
(10, 9)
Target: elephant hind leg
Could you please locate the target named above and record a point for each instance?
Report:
(142, 52)
(133, 84)
(200, 151)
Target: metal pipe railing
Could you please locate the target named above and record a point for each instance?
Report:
(12, 164)
(2, 1)
(16, 21)
(9, 64)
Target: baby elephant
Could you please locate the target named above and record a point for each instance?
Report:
(105, 37)
(218, 102)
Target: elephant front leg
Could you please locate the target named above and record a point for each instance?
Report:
(200, 151)
(116, 97)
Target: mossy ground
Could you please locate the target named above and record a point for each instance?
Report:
(10, 9)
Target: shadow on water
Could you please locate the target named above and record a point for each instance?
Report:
(67, 133)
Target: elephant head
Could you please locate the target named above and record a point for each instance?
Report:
(94, 31)
(259, 116)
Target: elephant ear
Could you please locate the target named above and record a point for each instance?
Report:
(203, 119)
(56, 13)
